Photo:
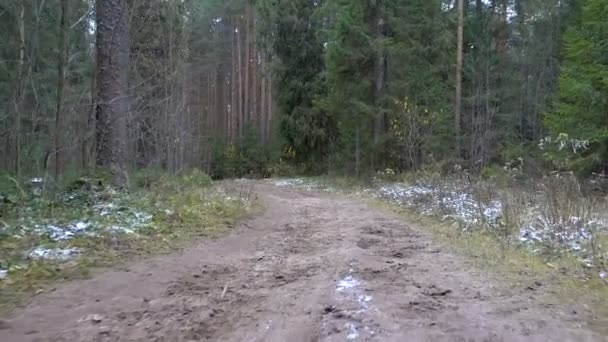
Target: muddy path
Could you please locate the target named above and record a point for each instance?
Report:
(312, 268)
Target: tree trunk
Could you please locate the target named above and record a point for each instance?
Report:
(233, 81)
(459, 60)
(247, 60)
(380, 73)
(112, 85)
(61, 66)
(380, 80)
(240, 63)
(18, 100)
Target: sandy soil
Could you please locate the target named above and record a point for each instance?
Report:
(312, 268)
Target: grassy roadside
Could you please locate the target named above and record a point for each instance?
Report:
(563, 280)
(559, 277)
(48, 239)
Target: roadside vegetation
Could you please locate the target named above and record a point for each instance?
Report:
(51, 232)
(549, 232)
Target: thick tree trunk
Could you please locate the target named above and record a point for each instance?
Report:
(380, 75)
(61, 66)
(112, 85)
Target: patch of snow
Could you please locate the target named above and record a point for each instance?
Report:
(290, 182)
(3, 274)
(120, 229)
(353, 333)
(348, 282)
(453, 203)
(364, 300)
(105, 209)
(54, 254)
(603, 275)
(457, 203)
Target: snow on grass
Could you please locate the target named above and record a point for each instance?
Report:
(301, 183)
(288, 182)
(452, 202)
(54, 254)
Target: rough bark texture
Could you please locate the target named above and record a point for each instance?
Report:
(112, 84)
(459, 59)
(380, 75)
(61, 66)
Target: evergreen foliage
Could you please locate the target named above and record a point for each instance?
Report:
(582, 107)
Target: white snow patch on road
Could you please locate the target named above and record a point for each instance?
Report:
(348, 282)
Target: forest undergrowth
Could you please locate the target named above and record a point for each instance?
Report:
(53, 232)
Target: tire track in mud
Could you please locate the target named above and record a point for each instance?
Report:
(312, 268)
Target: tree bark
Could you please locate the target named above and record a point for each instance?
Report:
(112, 85)
(459, 60)
(240, 63)
(18, 100)
(380, 73)
(61, 66)
(247, 61)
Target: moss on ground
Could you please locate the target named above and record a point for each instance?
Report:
(158, 216)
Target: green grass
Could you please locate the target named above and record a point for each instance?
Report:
(183, 208)
(564, 279)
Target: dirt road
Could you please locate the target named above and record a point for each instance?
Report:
(312, 268)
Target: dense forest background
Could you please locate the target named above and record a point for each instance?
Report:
(263, 87)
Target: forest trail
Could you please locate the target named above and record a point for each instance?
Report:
(314, 267)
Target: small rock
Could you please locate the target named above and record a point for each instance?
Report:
(329, 309)
(39, 291)
(95, 318)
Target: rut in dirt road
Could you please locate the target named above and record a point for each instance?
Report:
(312, 268)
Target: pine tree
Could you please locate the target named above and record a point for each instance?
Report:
(291, 30)
(582, 108)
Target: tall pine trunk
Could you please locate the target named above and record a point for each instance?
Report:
(18, 99)
(112, 86)
(459, 61)
(61, 66)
